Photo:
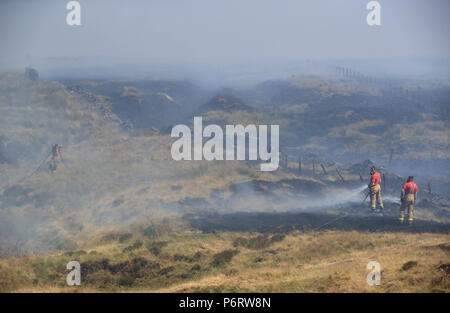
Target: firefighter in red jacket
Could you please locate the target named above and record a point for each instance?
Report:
(408, 198)
(375, 189)
(56, 153)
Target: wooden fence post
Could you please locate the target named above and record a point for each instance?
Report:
(314, 166)
(323, 169)
(339, 173)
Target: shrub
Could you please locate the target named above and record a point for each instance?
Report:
(166, 270)
(134, 246)
(223, 257)
(126, 281)
(259, 242)
(189, 259)
(408, 265)
(128, 270)
(125, 237)
(155, 247)
(157, 230)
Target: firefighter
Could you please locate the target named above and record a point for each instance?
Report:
(56, 153)
(408, 197)
(375, 190)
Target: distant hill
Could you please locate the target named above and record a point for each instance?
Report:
(146, 103)
(226, 103)
(350, 120)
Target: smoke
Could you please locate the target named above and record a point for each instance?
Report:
(334, 198)
(246, 198)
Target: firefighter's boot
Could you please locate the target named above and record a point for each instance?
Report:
(401, 217)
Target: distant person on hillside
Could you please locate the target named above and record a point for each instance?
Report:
(375, 189)
(408, 197)
(56, 153)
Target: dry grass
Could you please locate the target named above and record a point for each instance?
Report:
(303, 264)
(331, 261)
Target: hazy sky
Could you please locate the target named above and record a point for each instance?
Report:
(223, 30)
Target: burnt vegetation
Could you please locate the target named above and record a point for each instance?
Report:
(119, 175)
(286, 222)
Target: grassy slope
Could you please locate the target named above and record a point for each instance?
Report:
(356, 119)
(108, 177)
(330, 261)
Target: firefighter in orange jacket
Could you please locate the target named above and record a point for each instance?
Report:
(375, 189)
(408, 198)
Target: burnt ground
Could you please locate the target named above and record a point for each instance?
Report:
(284, 222)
